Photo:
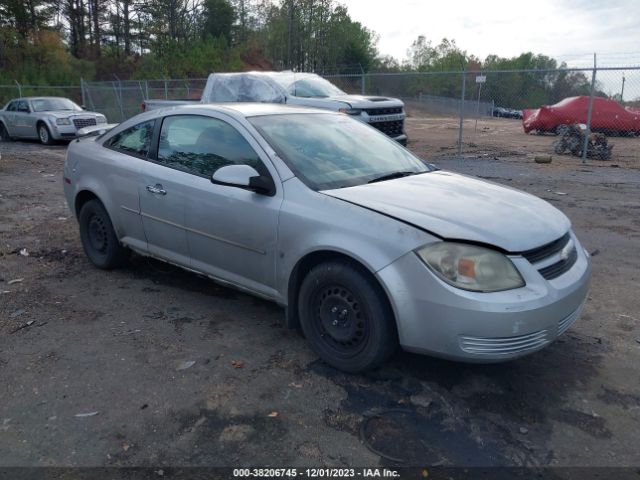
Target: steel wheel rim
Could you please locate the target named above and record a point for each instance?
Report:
(97, 234)
(44, 135)
(339, 320)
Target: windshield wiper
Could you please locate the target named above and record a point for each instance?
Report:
(392, 175)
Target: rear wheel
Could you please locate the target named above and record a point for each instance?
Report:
(98, 237)
(4, 134)
(345, 316)
(44, 134)
(559, 147)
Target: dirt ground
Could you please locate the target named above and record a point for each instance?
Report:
(96, 366)
(502, 137)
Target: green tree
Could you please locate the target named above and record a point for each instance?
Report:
(26, 16)
(219, 17)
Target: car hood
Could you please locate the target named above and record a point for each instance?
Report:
(69, 113)
(365, 101)
(457, 207)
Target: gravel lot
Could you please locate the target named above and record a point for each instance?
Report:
(93, 363)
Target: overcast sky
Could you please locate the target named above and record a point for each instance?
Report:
(569, 30)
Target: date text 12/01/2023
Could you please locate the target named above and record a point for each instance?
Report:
(316, 472)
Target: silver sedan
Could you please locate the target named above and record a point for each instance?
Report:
(367, 246)
(45, 118)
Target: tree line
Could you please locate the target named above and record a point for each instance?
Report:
(45, 41)
(524, 81)
(53, 42)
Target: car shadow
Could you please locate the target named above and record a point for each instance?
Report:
(418, 410)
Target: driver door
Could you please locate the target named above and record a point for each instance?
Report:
(21, 120)
(9, 117)
(231, 232)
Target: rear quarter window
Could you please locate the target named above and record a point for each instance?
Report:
(134, 141)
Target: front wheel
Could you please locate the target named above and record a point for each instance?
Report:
(98, 237)
(345, 316)
(44, 135)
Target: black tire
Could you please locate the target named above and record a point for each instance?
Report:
(346, 317)
(44, 134)
(559, 147)
(4, 134)
(98, 237)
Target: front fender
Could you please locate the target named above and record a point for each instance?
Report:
(313, 222)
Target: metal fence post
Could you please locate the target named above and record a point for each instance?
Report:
(166, 95)
(84, 101)
(141, 94)
(119, 100)
(19, 89)
(475, 128)
(589, 112)
(464, 80)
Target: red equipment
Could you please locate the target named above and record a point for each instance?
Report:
(607, 116)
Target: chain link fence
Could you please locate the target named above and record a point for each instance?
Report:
(581, 112)
(119, 100)
(485, 113)
(8, 92)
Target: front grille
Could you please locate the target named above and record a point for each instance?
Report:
(392, 128)
(504, 345)
(556, 269)
(537, 254)
(84, 122)
(383, 111)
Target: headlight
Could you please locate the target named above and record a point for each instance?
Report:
(351, 111)
(63, 121)
(471, 267)
(101, 119)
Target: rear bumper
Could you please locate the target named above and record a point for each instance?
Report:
(440, 320)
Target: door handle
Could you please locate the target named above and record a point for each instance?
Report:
(156, 189)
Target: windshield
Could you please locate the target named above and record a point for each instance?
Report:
(52, 104)
(329, 151)
(307, 86)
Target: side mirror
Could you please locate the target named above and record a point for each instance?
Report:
(245, 177)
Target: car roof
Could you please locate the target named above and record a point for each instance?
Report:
(248, 109)
(288, 74)
(41, 98)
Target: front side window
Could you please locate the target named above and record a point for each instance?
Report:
(135, 140)
(12, 106)
(23, 106)
(314, 87)
(201, 145)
